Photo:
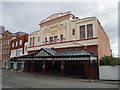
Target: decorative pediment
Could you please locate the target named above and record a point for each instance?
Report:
(55, 16)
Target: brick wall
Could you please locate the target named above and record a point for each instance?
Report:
(91, 48)
(103, 43)
(24, 39)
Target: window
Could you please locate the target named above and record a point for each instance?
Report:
(38, 39)
(5, 42)
(61, 37)
(20, 42)
(89, 31)
(17, 43)
(2, 52)
(30, 41)
(5, 52)
(12, 44)
(33, 41)
(8, 41)
(0, 43)
(55, 39)
(73, 31)
(26, 48)
(45, 40)
(82, 32)
(51, 39)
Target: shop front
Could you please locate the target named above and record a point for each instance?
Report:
(76, 63)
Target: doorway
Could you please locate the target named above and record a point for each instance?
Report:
(53, 67)
(38, 66)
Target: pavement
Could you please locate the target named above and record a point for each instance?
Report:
(13, 79)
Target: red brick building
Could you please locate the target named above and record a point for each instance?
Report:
(6, 39)
(17, 49)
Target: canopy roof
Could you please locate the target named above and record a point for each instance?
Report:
(48, 52)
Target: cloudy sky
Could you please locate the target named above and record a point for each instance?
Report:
(26, 16)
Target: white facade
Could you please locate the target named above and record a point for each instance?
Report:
(16, 52)
(64, 27)
(25, 48)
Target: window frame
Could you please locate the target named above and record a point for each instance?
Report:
(61, 37)
(81, 31)
(51, 39)
(55, 39)
(13, 44)
(20, 42)
(73, 31)
(91, 29)
(16, 43)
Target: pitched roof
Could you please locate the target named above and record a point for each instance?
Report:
(61, 53)
(51, 51)
(72, 53)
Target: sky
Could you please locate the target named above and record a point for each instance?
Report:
(26, 16)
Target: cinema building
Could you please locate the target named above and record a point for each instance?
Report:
(67, 45)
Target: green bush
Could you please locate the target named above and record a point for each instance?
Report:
(110, 60)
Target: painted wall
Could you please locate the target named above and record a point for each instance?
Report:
(63, 27)
(109, 72)
(16, 52)
(25, 48)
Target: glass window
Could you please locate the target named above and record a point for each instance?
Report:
(45, 40)
(17, 43)
(5, 51)
(20, 42)
(12, 44)
(55, 39)
(89, 31)
(82, 32)
(61, 37)
(73, 32)
(0, 52)
(5, 42)
(51, 39)
(33, 41)
(0, 43)
(26, 48)
(38, 39)
(30, 41)
(8, 41)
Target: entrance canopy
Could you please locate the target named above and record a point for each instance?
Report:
(52, 54)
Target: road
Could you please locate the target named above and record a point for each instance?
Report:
(11, 79)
